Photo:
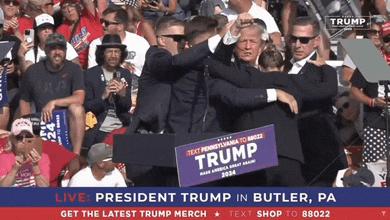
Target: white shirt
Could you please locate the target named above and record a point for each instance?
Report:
(256, 12)
(85, 178)
(136, 48)
(259, 12)
(297, 66)
(70, 54)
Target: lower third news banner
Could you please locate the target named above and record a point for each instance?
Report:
(194, 203)
(226, 156)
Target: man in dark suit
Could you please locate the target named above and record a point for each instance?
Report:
(164, 64)
(108, 91)
(190, 104)
(316, 86)
(242, 74)
(321, 143)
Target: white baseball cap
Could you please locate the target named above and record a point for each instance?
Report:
(44, 19)
(20, 125)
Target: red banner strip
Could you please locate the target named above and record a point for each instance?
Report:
(195, 213)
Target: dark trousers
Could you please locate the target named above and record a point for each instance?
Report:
(322, 148)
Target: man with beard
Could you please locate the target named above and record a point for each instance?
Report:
(108, 91)
(56, 83)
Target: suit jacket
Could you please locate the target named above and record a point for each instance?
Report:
(194, 99)
(320, 138)
(318, 86)
(95, 86)
(264, 113)
(188, 102)
(161, 69)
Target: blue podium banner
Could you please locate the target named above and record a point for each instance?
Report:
(226, 156)
(56, 130)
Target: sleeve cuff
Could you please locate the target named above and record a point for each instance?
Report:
(213, 42)
(228, 39)
(271, 95)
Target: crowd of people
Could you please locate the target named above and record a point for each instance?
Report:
(157, 66)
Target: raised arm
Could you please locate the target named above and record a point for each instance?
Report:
(90, 6)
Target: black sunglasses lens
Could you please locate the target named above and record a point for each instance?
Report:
(294, 39)
(104, 22)
(13, 2)
(375, 32)
(179, 38)
(303, 40)
(21, 137)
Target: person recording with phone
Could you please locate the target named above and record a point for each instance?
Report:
(81, 26)
(32, 49)
(10, 62)
(22, 166)
(108, 90)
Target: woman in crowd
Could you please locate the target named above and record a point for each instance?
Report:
(11, 22)
(81, 26)
(372, 95)
(20, 166)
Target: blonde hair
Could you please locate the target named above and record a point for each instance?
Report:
(271, 57)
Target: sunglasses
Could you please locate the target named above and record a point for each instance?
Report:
(176, 37)
(8, 2)
(374, 32)
(22, 137)
(303, 40)
(108, 23)
(386, 39)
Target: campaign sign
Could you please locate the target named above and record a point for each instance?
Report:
(56, 130)
(337, 16)
(3, 88)
(226, 156)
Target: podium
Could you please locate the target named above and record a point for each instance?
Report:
(153, 149)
